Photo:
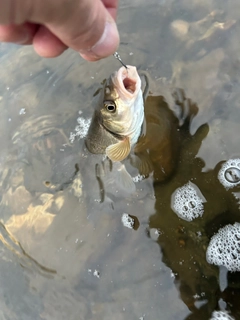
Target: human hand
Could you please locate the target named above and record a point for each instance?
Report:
(51, 26)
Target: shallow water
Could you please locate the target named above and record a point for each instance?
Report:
(66, 255)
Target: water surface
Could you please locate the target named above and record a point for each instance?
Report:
(66, 255)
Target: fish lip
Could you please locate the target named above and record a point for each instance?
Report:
(127, 81)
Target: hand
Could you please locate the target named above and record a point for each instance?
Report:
(87, 26)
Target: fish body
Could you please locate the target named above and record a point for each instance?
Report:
(117, 121)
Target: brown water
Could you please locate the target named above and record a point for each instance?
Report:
(66, 255)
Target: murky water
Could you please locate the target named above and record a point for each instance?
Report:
(64, 253)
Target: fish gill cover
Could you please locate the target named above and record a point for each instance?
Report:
(224, 248)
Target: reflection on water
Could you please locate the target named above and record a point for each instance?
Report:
(67, 255)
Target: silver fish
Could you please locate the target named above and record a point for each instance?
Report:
(117, 121)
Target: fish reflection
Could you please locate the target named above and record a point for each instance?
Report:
(184, 243)
(157, 150)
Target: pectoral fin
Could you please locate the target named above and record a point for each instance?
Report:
(118, 151)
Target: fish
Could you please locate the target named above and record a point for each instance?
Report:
(116, 125)
(118, 118)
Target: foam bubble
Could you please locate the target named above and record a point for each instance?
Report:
(22, 111)
(223, 249)
(81, 129)
(229, 174)
(127, 221)
(221, 315)
(187, 202)
(138, 178)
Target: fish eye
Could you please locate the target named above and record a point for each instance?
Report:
(110, 106)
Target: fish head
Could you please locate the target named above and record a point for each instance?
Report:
(121, 102)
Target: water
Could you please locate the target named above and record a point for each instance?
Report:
(65, 254)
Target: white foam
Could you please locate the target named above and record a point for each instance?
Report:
(96, 273)
(224, 248)
(22, 111)
(232, 163)
(138, 178)
(187, 202)
(127, 221)
(221, 315)
(81, 129)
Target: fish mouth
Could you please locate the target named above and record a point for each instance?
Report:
(128, 82)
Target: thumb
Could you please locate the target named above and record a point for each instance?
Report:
(86, 26)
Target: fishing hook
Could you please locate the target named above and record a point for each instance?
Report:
(117, 56)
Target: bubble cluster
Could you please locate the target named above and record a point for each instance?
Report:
(229, 174)
(127, 221)
(224, 248)
(81, 129)
(221, 315)
(187, 202)
(138, 178)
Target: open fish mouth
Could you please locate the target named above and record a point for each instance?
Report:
(129, 84)
(128, 80)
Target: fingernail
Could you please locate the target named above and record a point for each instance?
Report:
(105, 46)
